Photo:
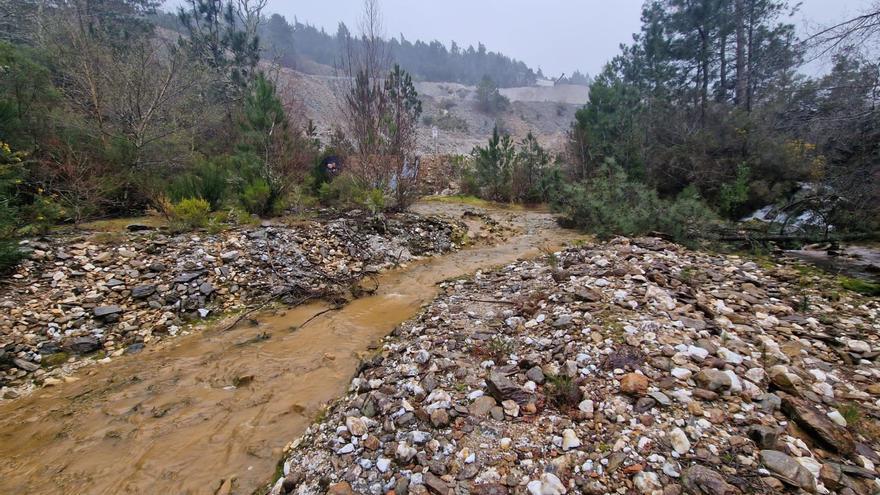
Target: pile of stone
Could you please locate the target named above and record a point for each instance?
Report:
(633, 366)
(76, 296)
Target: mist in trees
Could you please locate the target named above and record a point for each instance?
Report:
(431, 61)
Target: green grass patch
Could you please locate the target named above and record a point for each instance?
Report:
(121, 224)
(466, 200)
(862, 287)
(56, 359)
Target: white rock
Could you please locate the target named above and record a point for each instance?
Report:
(837, 418)
(570, 440)
(735, 383)
(859, 346)
(356, 426)
(679, 441)
(586, 406)
(671, 469)
(729, 356)
(405, 452)
(755, 374)
(382, 464)
(697, 353)
(422, 356)
(549, 484)
(681, 373)
(647, 482)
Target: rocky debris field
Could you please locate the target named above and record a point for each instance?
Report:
(79, 297)
(632, 366)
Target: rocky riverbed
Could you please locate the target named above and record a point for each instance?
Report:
(632, 366)
(81, 296)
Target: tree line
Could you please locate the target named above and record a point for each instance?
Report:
(706, 116)
(103, 115)
(291, 44)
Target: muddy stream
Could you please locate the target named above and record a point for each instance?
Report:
(171, 419)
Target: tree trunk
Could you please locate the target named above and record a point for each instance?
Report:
(750, 58)
(704, 70)
(722, 55)
(740, 95)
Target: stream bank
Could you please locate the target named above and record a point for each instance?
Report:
(91, 297)
(213, 410)
(628, 366)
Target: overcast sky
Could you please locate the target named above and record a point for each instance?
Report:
(555, 35)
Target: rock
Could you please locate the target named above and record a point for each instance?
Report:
(713, 380)
(764, 436)
(341, 488)
(785, 381)
(25, 365)
(229, 256)
(435, 484)
(819, 425)
(634, 384)
(489, 489)
(439, 418)
(586, 406)
(206, 289)
(570, 439)
(837, 418)
(82, 345)
(698, 354)
(482, 406)
(647, 482)
(858, 346)
(699, 480)
(535, 374)
(143, 291)
(681, 373)
(105, 311)
(788, 470)
(729, 356)
(549, 484)
(356, 426)
(679, 441)
(502, 388)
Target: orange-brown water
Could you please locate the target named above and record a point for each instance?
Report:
(170, 420)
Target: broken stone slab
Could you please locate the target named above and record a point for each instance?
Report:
(187, 277)
(105, 311)
(818, 424)
(788, 470)
(25, 365)
(502, 389)
(82, 345)
(700, 480)
(143, 291)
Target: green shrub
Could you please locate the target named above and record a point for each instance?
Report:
(11, 174)
(374, 200)
(209, 179)
(191, 213)
(734, 195)
(610, 204)
(344, 192)
(257, 197)
(688, 217)
(10, 255)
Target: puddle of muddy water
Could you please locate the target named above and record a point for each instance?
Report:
(853, 261)
(181, 417)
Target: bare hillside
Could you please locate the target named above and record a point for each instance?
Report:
(449, 111)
